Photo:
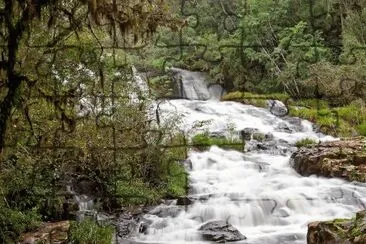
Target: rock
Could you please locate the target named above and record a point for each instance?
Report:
(283, 127)
(187, 163)
(143, 227)
(338, 231)
(126, 224)
(343, 159)
(295, 122)
(220, 232)
(86, 186)
(184, 201)
(55, 233)
(277, 108)
(166, 211)
(246, 134)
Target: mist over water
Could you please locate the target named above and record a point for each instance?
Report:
(257, 192)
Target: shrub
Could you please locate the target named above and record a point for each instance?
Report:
(362, 129)
(177, 180)
(89, 232)
(172, 185)
(14, 222)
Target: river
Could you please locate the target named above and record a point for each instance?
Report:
(257, 191)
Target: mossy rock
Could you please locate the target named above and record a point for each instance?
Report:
(339, 230)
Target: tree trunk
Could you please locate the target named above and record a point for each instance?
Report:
(14, 81)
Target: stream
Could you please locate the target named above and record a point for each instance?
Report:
(257, 192)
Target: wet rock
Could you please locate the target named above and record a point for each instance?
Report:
(143, 227)
(166, 211)
(187, 164)
(273, 147)
(160, 224)
(339, 230)
(344, 159)
(126, 224)
(246, 134)
(86, 186)
(219, 231)
(283, 127)
(295, 122)
(277, 108)
(55, 233)
(184, 201)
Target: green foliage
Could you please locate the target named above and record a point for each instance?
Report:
(362, 129)
(89, 232)
(163, 86)
(305, 142)
(13, 222)
(137, 192)
(177, 180)
(204, 141)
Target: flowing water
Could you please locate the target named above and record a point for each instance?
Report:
(257, 192)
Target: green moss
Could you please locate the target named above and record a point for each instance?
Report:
(89, 232)
(203, 141)
(305, 142)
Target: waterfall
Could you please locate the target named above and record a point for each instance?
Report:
(194, 86)
(257, 192)
(85, 203)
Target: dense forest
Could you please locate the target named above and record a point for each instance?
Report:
(67, 78)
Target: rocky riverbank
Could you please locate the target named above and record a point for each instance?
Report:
(345, 159)
(339, 230)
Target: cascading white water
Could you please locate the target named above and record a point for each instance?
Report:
(195, 86)
(85, 203)
(257, 192)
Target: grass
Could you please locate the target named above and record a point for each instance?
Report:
(89, 232)
(345, 121)
(258, 100)
(204, 141)
(305, 142)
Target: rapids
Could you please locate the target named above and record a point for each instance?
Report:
(257, 191)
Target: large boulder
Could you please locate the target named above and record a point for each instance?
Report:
(55, 233)
(338, 231)
(344, 159)
(219, 231)
(277, 108)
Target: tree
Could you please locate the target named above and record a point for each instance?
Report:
(46, 25)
